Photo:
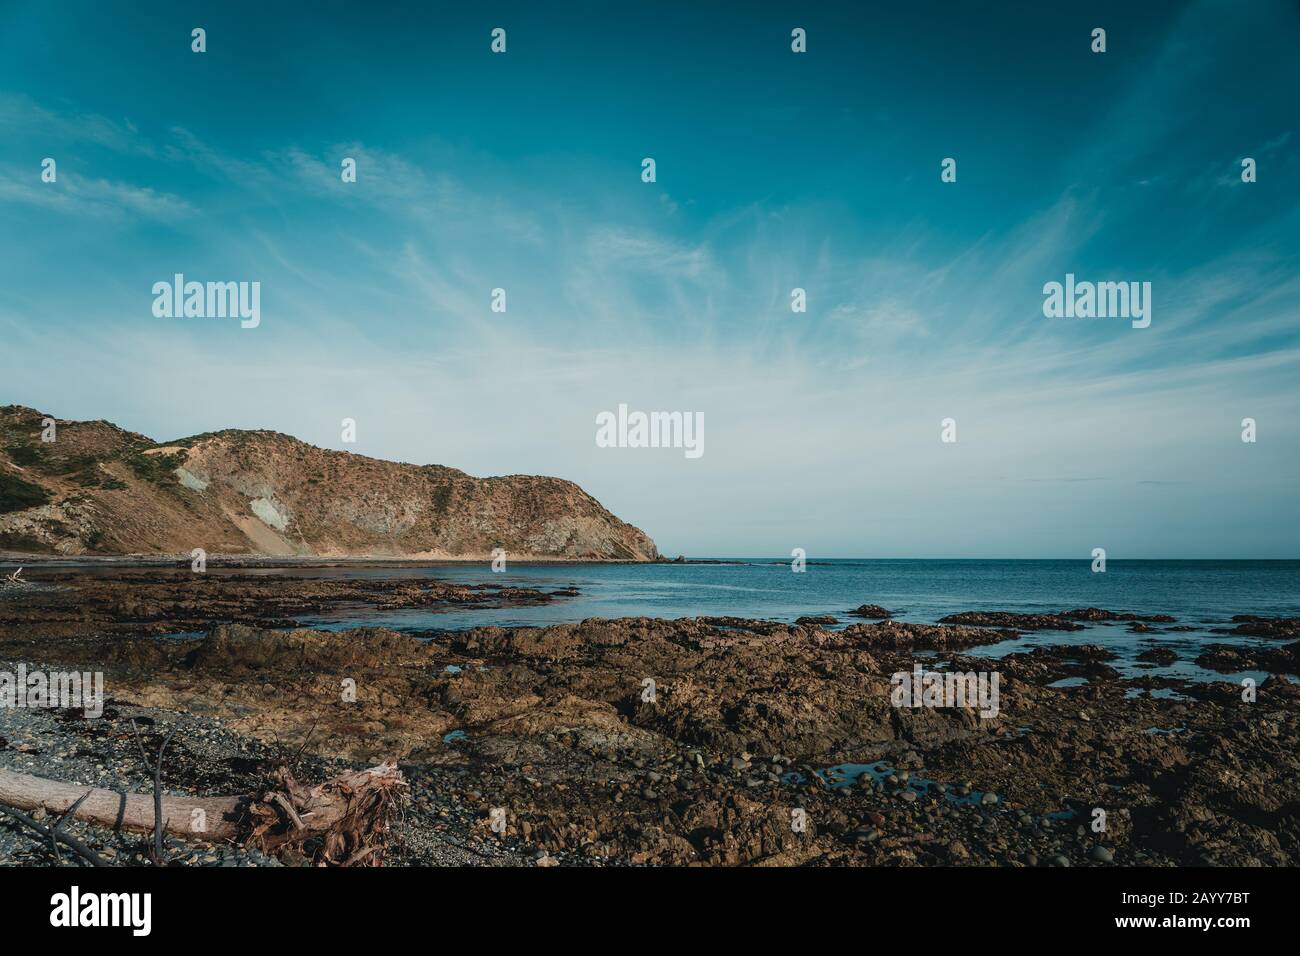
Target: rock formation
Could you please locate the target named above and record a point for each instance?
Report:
(98, 489)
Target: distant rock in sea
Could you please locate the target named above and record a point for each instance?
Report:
(871, 611)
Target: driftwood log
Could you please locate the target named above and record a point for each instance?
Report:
(347, 818)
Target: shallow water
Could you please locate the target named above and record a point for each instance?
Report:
(1196, 592)
(1200, 594)
(850, 774)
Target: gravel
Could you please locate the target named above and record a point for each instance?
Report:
(205, 758)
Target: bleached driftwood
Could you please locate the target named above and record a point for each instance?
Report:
(348, 817)
(124, 811)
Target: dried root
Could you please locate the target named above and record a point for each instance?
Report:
(345, 821)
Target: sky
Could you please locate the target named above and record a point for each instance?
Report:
(775, 170)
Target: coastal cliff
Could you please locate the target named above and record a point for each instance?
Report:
(98, 489)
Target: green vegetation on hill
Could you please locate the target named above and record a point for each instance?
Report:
(47, 460)
(19, 495)
(24, 454)
(441, 497)
(85, 471)
(156, 468)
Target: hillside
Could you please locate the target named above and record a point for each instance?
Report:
(100, 489)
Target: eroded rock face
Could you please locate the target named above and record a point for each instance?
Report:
(260, 492)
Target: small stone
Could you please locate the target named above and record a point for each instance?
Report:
(1101, 854)
(989, 799)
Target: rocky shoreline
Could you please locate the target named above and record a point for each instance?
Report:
(702, 741)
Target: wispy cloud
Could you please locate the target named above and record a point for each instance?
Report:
(924, 300)
(74, 195)
(20, 114)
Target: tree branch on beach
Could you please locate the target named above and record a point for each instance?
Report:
(158, 853)
(56, 834)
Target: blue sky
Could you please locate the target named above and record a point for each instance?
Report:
(775, 170)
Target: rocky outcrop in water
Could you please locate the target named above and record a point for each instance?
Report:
(870, 611)
(1007, 619)
(1278, 628)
